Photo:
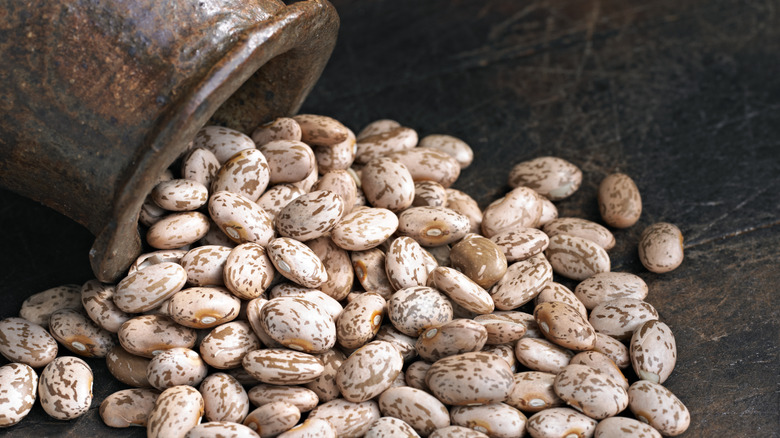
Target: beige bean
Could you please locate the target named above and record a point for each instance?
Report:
(405, 264)
(520, 243)
(98, 301)
(655, 405)
(415, 375)
(283, 128)
(432, 226)
(452, 146)
(455, 337)
(222, 142)
(576, 258)
(248, 271)
(620, 317)
(273, 418)
(297, 262)
(429, 194)
(552, 177)
(177, 230)
(176, 411)
(289, 161)
(180, 195)
(79, 334)
(521, 207)
(549, 212)
(282, 367)
(387, 183)
(383, 143)
(277, 197)
(480, 259)
(560, 422)
(427, 164)
(533, 392)
(65, 388)
(361, 320)
(325, 302)
(147, 335)
(590, 391)
(369, 371)
(203, 307)
(340, 156)
(369, 267)
(467, 206)
(613, 349)
(302, 398)
(564, 325)
(221, 429)
(128, 407)
(240, 219)
(470, 378)
(377, 127)
(404, 343)
(498, 420)
(200, 165)
(18, 386)
(37, 308)
(601, 362)
(586, 229)
(364, 229)
(411, 310)
(325, 384)
(387, 427)
(350, 420)
(523, 281)
(607, 286)
(620, 203)
(461, 289)
(338, 267)
(553, 292)
(311, 428)
(320, 130)
(619, 427)
(152, 258)
(505, 352)
(224, 399)
(176, 366)
(456, 432)
(422, 411)
(542, 355)
(147, 289)
(226, 345)
(25, 342)
(661, 247)
(653, 351)
(342, 184)
(501, 329)
(298, 324)
(205, 265)
(310, 216)
(127, 368)
(253, 310)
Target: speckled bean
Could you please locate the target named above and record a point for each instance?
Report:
(430, 194)
(480, 259)
(18, 388)
(205, 265)
(383, 143)
(653, 351)
(601, 362)
(340, 156)
(560, 422)
(552, 177)
(298, 324)
(147, 335)
(501, 329)
(224, 398)
(361, 320)
(248, 271)
(388, 427)
(273, 418)
(614, 349)
(176, 411)
(203, 307)
(620, 427)
(607, 286)
(653, 404)
(283, 128)
(147, 289)
(620, 203)
(76, 332)
(226, 345)
(411, 310)
(377, 127)
(37, 308)
(432, 226)
(177, 230)
(586, 229)
(240, 218)
(200, 165)
(520, 243)
(422, 411)
(180, 195)
(427, 164)
(297, 262)
(127, 368)
(521, 207)
(553, 292)
(350, 420)
(523, 281)
(282, 367)
(470, 378)
(533, 392)
(590, 391)
(576, 258)
(564, 325)
(405, 264)
(467, 206)
(302, 398)
(98, 301)
(455, 337)
(369, 371)
(387, 183)
(542, 355)
(364, 229)
(221, 429)
(497, 420)
(661, 247)
(461, 289)
(325, 384)
(25, 342)
(620, 317)
(338, 267)
(176, 366)
(222, 142)
(65, 388)
(320, 130)
(128, 407)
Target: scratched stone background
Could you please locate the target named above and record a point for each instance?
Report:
(683, 95)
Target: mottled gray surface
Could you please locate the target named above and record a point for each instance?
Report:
(683, 95)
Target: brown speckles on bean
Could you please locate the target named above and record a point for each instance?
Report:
(177, 230)
(241, 219)
(576, 258)
(619, 200)
(226, 345)
(661, 247)
(620, 317)
(65, 388)
(470, 378)
(180, 195)
(224, 398)
(297, 262)
(27, 343)
(387, 183)
(176, 411)
(522, 207)
(369, 371)
(653, 351)
(422, 411)
(653, 404)
(282, 367)
(18, 388)
(552, 177)
(433, 226)
(564, 325)
(413, 309)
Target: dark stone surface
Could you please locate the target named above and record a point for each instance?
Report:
(682, 95)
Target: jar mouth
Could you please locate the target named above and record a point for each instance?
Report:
(267, 74)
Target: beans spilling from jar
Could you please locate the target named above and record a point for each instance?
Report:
(307, 281)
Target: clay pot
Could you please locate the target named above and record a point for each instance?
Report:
(99, 97)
